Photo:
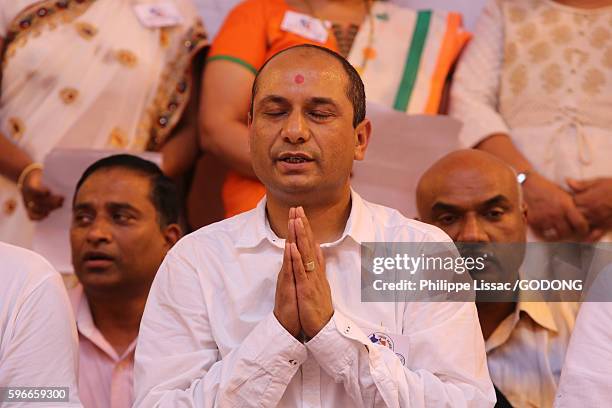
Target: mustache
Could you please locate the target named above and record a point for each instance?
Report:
(474, 251)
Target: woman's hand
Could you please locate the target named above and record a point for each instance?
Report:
(551, 211)
(38, 200)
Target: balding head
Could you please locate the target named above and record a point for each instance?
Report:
(355, 90)
(474, 197)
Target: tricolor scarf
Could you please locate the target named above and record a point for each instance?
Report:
(410, 56)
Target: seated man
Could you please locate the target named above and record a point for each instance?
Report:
(475, 198)
(252, 311)
(38, 341)
(125, 215)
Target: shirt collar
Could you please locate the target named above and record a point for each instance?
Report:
(540, 313)
(256, 228)
(87, 328)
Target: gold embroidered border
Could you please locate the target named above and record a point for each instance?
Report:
(44, 14)
(173, 92)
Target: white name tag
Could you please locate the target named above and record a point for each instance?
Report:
(306, 26)
(157, 15)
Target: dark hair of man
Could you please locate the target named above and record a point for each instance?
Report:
(355, 90)
(164, 194)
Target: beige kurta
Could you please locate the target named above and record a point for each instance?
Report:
(541, 72)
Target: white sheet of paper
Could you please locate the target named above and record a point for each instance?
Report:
(62, 170)
(401, 148)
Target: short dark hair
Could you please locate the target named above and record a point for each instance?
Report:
(164, 193)
(355, 90)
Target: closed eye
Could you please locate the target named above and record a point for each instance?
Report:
(318, 115)
(274, 114)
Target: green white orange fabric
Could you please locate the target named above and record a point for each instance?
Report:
(410, 56)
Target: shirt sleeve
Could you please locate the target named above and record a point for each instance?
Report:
(42, 350)
(476, 83)
(585, 378)
(242, 38)
(446, 364)
(177, 362)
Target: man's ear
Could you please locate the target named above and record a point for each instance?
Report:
(172, 233)
(362, 138)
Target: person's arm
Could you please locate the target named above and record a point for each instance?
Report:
(475, 100)
(42, 349)
(177, 361)
(223, 113)
(445, 365)
(181, 151)
(239, 49)
(38, 199)
(593, 197)
(585, 378)
(13, 159)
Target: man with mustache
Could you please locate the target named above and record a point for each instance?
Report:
(125, 219)
(264, 309)
(476, 199)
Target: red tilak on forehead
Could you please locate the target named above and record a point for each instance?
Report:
(298, 79)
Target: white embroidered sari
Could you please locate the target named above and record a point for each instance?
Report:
(88, 74)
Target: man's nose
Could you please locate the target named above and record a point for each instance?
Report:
(472, 230)
(296, 130)
(99, 231)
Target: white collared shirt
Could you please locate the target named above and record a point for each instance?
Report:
(526, 352)
(38, 340)
(105, 377)
(209, 337)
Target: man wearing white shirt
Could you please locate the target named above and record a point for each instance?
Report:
(38, 340)
(476, 199)
(223, 327)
